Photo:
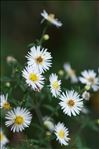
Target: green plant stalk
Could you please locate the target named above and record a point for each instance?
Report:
(44, 31)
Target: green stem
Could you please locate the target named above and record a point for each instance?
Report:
(40, 117)
(37, 109)
(39, 114)
(44, 31)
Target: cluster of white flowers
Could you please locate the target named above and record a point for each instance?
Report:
(88, 77)
(18, 118)
(39, 60)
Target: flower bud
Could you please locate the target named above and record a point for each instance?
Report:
(48, 133)
(46, 37)
(7, 84)
(98, 121)
(86, 95)
(10, 59)
(61, 72)
(87, 87)
(48, 123)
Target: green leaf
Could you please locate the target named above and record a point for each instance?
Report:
(48, 107)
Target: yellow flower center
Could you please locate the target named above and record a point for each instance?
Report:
(39, 60)
(6, 106)
(1, 136)
(19, 120)
(33, 77)
(71, 72)
(91, 80)
(61, 134)
(71, 103)
(55, 85)
(51, 17)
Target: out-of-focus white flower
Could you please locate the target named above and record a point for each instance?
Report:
(51, 18)
(48, 123)
(18, 118)
(70, 73)
(62, 133)
(89, 78)
(86, 95)
(3, 139)
(39, 58)
(11, 59)
(4, 103)
(71, 103)
(84, 110)
(55, 85)
(33, 78)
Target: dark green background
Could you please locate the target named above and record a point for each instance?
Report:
(76, 42)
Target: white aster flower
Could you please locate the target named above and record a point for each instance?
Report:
(89, 78)
(48, 123)
(86, 95)
(33, 78)
(71, 103)
(51, 18)
(4, 103)
(3, 139)
(62, 133)
(55, 85)
(18, 118)
(70, 73)
(85, 110)
(39, 58)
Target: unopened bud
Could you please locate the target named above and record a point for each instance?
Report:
(48, 133)
(7, 84)
(46, 37)
(86, 95)
(61, 72)
(98, 121)
(87, 87)
(48, 123)
(11, 59)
